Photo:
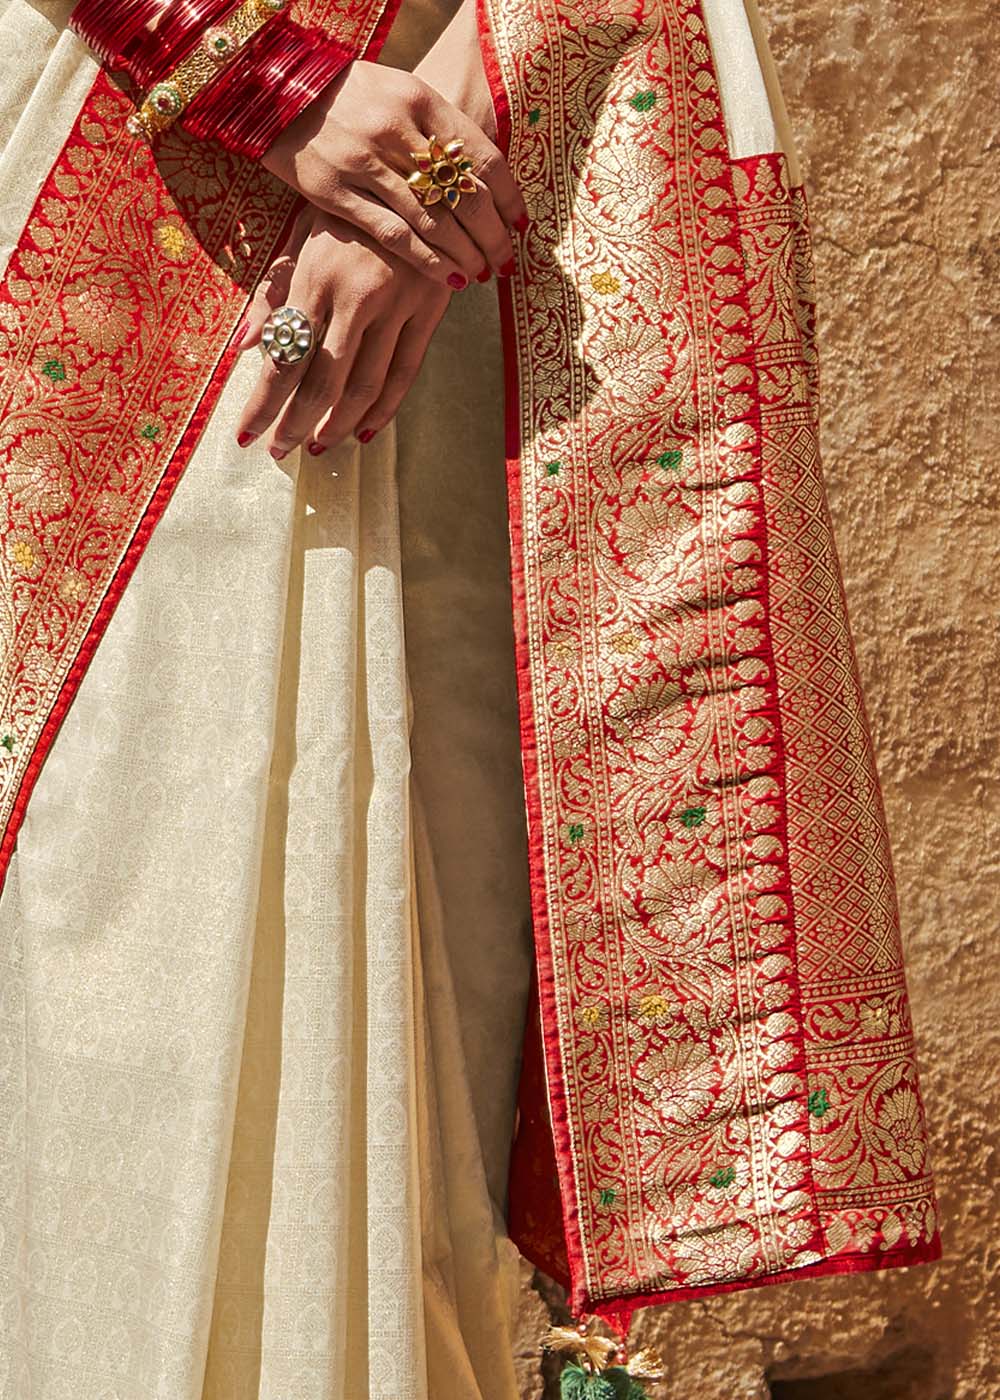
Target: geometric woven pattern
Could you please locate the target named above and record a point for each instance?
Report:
(874, 1185)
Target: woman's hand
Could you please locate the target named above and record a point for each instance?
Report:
(372, 316)
(349, 154)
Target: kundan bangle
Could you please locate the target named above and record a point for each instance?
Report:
(169, 99)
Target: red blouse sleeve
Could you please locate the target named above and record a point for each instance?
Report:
(239, 73)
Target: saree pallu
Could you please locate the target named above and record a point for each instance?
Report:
(719, 1085)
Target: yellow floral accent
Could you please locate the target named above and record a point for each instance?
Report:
(591, 1016)
(654, 1009)
(605, 283)
(626, 643)
(24, 554)
(172, 240)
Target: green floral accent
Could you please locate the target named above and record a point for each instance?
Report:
(9, 742)
(669, 460)
(725, 1176)
(608, 1196)
(552, 468)
(692, 817)
(575, 832)
(818, 1103)
(534, 115)
(150, 432)
(643, 101)
(55, 369)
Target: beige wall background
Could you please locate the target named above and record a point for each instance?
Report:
(895, 113)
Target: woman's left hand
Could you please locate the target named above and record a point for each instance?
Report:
(372, 315)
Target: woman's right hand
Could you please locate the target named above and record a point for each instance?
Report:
(372, 316)
(349, 154)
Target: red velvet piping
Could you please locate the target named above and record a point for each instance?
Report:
(558, 1111)
(619, 1311)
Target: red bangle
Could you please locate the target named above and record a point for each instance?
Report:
(269, 83)
(115, 29)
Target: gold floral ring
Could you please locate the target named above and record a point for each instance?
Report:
(442, 173)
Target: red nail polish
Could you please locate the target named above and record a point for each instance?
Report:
(456, 280)
(508, 267)
(316, 449)
(240, 332)
(483, 276)
(366, 434)
(245, 439)
(521, 222)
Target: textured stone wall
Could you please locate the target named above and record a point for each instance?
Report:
(894, 108)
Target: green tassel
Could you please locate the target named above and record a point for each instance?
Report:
(625, 1387)
(577, 1384)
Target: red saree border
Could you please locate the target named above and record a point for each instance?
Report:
(51, 504)
(852, 1243)
(112, 597)
(806, 1216)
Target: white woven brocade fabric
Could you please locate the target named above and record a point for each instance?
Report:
(240, 1156)
(265, 940)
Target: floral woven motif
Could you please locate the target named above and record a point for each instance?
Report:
(729, 1067)
(116, 311)
(722, 1091)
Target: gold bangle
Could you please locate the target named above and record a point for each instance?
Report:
(166, 101)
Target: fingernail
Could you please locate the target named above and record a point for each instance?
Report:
(483, 276)
(245, 439)
(366, 434)
(316, 448)
(521, 222)
(508, 267)
(278, 452)
(241, 331)
(456, 280)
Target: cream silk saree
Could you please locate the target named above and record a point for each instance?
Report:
(340, 770)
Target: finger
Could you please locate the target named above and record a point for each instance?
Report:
(274, 287)
(277, 381)
(489, 164)
(408, 356)
(323, 386)
(432, 223)
(479, 216)
(398, 236)
(363, 385)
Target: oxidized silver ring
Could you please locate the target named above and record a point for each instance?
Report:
(287, 336)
